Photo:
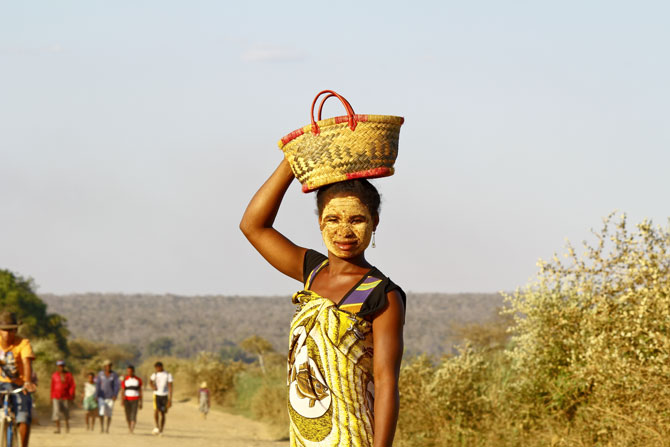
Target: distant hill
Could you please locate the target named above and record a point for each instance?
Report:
(210, 323)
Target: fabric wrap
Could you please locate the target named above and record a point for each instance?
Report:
(330, 383)
(375, 302)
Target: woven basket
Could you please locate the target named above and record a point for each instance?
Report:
(342, 148)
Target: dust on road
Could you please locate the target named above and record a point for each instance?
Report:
(184, 427)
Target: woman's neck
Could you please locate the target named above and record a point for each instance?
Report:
(347, 266)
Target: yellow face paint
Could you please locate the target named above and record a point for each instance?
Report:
(346, 226)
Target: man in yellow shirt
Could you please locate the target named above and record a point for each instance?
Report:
(16, 357)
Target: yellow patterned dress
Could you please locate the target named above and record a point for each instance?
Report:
(330, 380)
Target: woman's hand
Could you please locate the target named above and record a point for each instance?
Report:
(257, 224)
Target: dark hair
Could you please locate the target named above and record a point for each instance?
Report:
(90, 374)
(361, 188)
(130, 367)
(158, 364)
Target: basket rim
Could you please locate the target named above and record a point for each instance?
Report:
(382, 171)
(390, 119)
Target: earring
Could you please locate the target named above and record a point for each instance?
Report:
(373, 240)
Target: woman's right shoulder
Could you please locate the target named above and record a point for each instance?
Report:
(311, 261)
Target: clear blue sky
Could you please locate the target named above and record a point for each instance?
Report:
(133, 133)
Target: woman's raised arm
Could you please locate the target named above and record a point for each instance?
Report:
(257, 222)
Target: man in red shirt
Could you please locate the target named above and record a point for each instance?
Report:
(62, 395)
(131, 394)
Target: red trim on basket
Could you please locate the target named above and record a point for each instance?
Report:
(370, 173)
(338, 120)
(345, 119)
(292, 136)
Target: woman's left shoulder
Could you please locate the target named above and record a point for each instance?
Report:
(379, 298)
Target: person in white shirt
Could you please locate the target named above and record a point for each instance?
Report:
(161, 382)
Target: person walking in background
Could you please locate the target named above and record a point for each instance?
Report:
(107, 387)
(89, 401)
(161, 383)
(132, 396)
(62, 395)
(204, 399)
(16, 371)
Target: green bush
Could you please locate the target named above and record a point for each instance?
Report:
(592, 336)
(586, 365)
(46, 354)
(247, 384)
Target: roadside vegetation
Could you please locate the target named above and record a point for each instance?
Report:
(586, 362)
(578, 357)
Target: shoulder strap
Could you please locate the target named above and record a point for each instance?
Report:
(353, 302)
(314, 272)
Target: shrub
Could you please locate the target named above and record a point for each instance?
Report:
(268, 402)
(587, 363)
(591, 336)
(188, 374)
(443, 403)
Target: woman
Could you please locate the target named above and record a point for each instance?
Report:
(333, 399)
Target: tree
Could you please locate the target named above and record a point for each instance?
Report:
(161, 346)
(17, 295)
(258, 346)
(232, 352)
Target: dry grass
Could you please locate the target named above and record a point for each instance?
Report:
(587, 363)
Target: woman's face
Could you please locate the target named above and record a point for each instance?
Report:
(346, 226)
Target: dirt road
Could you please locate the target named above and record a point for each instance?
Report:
(184, 428)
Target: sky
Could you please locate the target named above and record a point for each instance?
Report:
(134, 133)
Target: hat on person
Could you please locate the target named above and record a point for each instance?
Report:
(107, 362)
(8, 320)
(60, 363)
(203, 385)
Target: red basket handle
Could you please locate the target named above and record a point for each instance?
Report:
(323, 101)
(345, 103)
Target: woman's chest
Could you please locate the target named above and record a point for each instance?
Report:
(335, 288)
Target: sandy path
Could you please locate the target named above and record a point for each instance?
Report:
(184, 427)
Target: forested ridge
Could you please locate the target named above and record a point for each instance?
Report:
(216, 323)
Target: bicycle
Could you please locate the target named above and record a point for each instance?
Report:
(9, 435)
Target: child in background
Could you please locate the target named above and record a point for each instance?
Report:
(88, 401)
(203, 399)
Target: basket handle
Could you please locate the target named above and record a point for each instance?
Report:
(345, 103)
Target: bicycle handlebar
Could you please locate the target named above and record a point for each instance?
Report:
(16, 391)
